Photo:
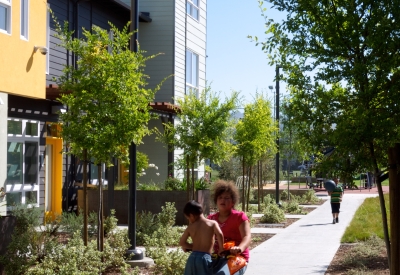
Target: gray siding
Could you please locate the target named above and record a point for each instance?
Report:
(180, 49)
(157, 153)
(157, 38)
(89, 13)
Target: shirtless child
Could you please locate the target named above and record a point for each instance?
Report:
(202, 232)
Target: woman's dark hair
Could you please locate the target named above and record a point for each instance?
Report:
(223, 186)
(194, 208)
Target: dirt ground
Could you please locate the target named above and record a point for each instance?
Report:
(375, 266)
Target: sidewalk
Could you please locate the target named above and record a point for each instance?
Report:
(308, 245)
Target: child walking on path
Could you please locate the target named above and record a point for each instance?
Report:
(202, 232)
(336, 199)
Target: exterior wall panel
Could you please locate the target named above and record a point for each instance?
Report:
(157, 154)
(23, 71)
(157, 37)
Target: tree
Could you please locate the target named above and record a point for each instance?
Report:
(203, 129)
(254, 137)
(107, 102)
(342, 63)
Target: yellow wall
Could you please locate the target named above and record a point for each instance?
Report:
(23, 72)
(55, 208)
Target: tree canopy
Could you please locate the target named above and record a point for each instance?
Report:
(254, 134)
(342, 65)
(203, 129)
(342, 68)
(105, 94)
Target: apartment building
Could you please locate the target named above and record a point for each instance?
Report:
(35, 171)
(22, 78)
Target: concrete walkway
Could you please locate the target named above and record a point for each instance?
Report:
(306, 246)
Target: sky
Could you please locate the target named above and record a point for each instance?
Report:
(234, 62)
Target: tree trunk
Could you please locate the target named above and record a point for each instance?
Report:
(258, 187)
(85, 199)
(100, 227)
(248, 189)
(262, 185)
(377, 174)
(384, 216)
(193, 191)
(187, 178)
(243, 191)
(394, 198)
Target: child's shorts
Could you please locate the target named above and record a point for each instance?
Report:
(198, 263)
(335, 207)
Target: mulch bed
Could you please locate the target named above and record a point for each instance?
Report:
(375, 266)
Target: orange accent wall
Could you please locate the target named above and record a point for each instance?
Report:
(56, 172)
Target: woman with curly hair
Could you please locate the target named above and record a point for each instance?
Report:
(234, 224)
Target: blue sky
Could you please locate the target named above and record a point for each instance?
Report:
(234, 62)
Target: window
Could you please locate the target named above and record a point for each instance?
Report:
(192, 8)
(5, 16)
(24, 19)
(192, 68)
(22, 161)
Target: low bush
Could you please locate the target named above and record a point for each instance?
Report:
(30, 242)
(174, 184)
(273, 214)
(284, 195)
(36, 250)
(202, 184)
(309, 198)
(164, 235)
(146, 224)
(168, 261)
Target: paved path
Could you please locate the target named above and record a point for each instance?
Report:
(306, 246)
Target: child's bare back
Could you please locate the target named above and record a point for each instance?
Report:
(202, 232)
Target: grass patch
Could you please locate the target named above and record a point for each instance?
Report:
(367, 221)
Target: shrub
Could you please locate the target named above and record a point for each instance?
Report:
(293, 207)
(173, 184)
(251, 219)
(167, 215)
(92, 224)
(110, 223)
(162, 235)
(167, 262)
(28, 245)
(146, 224)
(71, 223)
(73, 258)
(269, 199)
(309, 198)
(202, 184)
(284, 195)
(148, 186)
(273, 214)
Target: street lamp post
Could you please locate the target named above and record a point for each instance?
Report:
(277, 136)
(271, 88)
(133, 253)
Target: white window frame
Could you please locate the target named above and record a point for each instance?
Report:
(7, 4)
(192, 65)
(24, 19)
(28, 187)
(191, 7)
